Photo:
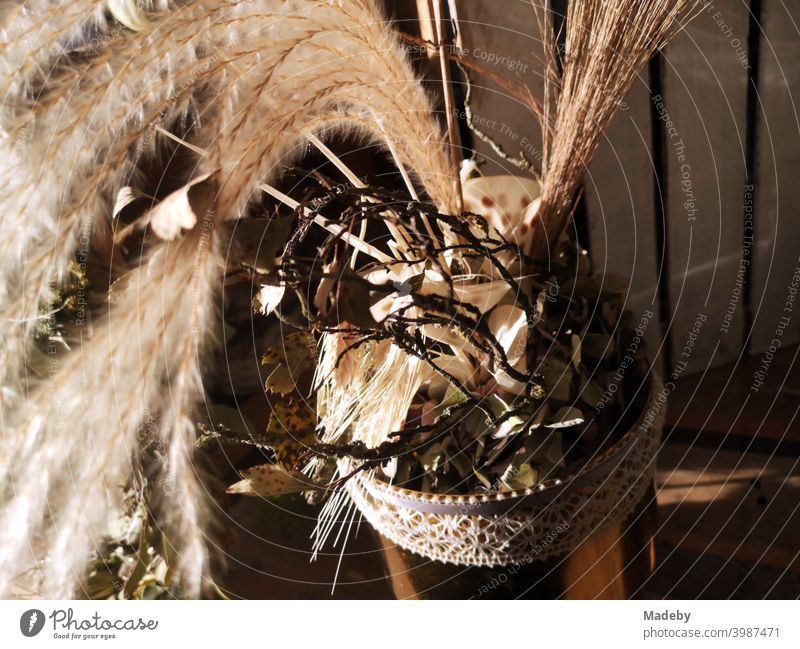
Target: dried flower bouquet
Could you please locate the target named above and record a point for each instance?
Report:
(454, 361)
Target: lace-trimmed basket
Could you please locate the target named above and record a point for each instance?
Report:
(519, 527)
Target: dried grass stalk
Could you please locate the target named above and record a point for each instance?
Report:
(242, 82)
(607, 45)
(80, 431)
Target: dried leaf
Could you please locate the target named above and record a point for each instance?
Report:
(509, 324)
(610, 314)
(181, 209)
(575, 343)
(523, 476)
(129, 14)
(269, 297)
(484, 296)
(232, 419)
(387, 306)
(271, 480)
(260, 242)
(457, 367)
(484, 480)
(294, 356)
(539, 416)
(510, 426)
(459, 459)
(557, 379)
(291, 429)
(432, 457)
(325, 289)
(599, 346)
(591, 392)
(351, 298)
(126, 196)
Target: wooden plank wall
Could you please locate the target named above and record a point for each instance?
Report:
(620, 195)
(704, 153)
(777, 179)
(505, 40)
(704, 145)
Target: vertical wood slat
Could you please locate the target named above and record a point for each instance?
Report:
(704, 124)
(619, 200)
(777, 193)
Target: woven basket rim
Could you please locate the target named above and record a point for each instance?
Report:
(602, 465)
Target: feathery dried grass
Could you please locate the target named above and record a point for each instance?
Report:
(241, 80)
(248, 54)
(607, 45)
(80, 430)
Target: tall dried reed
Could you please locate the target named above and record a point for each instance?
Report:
(607, 47)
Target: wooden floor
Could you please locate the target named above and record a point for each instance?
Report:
(729, 485)
(728, 498)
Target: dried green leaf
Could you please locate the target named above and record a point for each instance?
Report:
(137, 575)
(591, 392)
(557, 379)
(458, 458)
(103, 585)
(538, 416)
(523, 476)
(230, 419)
(599, 346)
(484, 480)
(494, 451)
(432, 458)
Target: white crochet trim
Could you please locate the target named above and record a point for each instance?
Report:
(535, 533)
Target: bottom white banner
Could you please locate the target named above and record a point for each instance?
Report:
(386, 624)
